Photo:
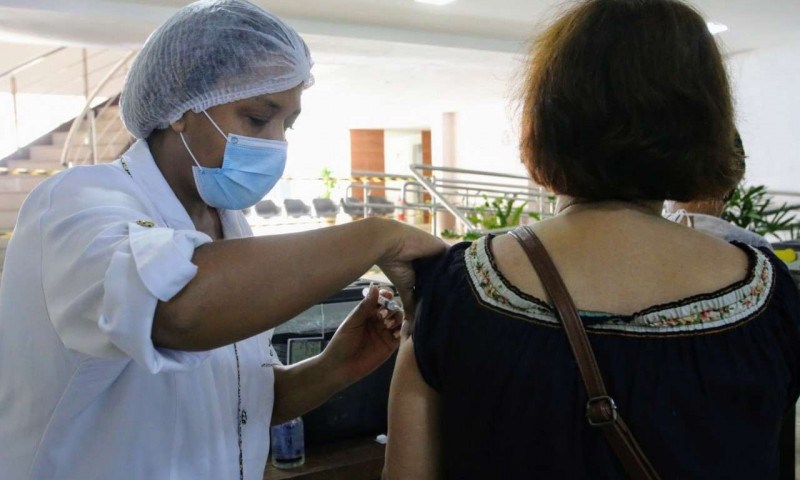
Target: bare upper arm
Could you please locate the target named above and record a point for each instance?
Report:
(413, 451)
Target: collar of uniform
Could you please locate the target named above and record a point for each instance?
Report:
(143, 169)
(234, 224)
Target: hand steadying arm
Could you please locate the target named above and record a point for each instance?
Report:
(247, 286)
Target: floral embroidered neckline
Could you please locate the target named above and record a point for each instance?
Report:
(717, 310)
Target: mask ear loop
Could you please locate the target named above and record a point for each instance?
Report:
(190, 151)
(215, 124)
(682, 215)
(191, 154)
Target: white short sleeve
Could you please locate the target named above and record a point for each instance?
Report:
(107, 263)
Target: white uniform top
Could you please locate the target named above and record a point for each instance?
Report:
(84, 393)
(719, 228)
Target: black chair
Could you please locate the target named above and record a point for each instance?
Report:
(296, 208)
(353, 207)
(381, 206)
(324, 207)
(267, 209)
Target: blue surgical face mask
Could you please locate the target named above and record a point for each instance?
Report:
(250, 169)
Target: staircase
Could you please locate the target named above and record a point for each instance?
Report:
(62, 74)
(43, 160)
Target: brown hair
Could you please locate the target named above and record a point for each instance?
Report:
(629, 99)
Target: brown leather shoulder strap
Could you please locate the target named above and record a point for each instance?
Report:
(601, 411)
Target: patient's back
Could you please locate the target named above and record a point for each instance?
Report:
(697, 341)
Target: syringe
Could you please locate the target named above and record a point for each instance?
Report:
(391, 305)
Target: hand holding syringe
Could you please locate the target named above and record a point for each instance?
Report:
(369, 335)
(388, 304)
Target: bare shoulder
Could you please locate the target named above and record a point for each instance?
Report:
(626, 268)
(707, 263)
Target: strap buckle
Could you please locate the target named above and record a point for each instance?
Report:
(601, 411)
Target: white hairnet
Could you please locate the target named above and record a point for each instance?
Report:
(209, 53)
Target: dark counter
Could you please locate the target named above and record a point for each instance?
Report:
(359, 459)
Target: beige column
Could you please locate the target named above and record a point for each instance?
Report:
(449, 158)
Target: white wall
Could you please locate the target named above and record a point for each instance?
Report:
(37, 114)
(320, 139)
(398, 148)
(766, 85)
(487, 138)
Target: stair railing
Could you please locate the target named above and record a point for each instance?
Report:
(74, 68)
(12, 74)
(81, 147)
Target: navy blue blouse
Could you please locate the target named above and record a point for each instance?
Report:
(703, 382)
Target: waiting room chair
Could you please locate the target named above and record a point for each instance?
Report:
(267, 209)
(382, 206)
(296, 208)
(325, 208)
(353, 207)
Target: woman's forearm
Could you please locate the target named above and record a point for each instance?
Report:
(304, 386)
(247, 286)
(298, 389)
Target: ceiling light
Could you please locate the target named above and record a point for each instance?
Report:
(436, 2)
(716, 28)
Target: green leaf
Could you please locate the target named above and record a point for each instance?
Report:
(752, 208)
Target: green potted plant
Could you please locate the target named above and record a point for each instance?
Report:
(328, 182)
(494, 214)
(752, 208)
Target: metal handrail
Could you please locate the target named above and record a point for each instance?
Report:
(88, 107)
(107, 104)
(416, 171)
(370, 174)
(366, 205)
(29, 63)
(17, 85)
(468, 190)
(434, 207)
(113, 139)
(465, 171)
(11, 74)
(60, 71)
(366, 177)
